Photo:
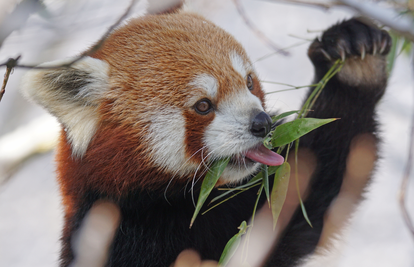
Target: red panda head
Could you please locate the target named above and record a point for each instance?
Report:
(163, 97)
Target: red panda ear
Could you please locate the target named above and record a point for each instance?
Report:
(72, 94)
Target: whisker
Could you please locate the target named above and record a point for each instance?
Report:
(176, 172)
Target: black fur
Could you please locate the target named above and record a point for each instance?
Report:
(355, 106)
(68, 81)
(155, 228)
(153, 231)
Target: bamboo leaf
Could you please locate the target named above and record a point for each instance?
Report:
(266, 181)
(406, 47)
(284, 115)
(254, 181)
(302, 206)
(232, 245)
(290, 131)
(208, 184)
(392, 55)
(305, 214)
(279, 191)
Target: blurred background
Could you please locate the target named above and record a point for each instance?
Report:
(30, 208)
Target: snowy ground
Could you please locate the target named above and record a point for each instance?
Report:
(30, 210)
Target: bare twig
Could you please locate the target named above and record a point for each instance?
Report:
(325, 6)
(386, 16)
(405, 180)
(88, 52)
(10, 64)
(256, 31)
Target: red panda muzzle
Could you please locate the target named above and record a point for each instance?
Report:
(261, 125)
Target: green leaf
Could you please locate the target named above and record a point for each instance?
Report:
(279, 190)
(254, 181)
(302, 206)
(406, 47)
(232, 245)
(266, 181)
(290, 131)
(208, 184)
(305, 214)
(284, 115)
(392, 55)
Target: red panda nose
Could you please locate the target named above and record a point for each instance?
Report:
(261, 125)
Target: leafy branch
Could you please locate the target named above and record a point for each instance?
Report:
(281, 137)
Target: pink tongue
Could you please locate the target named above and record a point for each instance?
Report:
(264, 155)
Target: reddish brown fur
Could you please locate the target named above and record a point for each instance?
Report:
(152, 61)
(194, 133)
(257, 91)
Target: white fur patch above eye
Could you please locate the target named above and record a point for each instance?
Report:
(206, 82)
(72, 95)
(238, 64)
(166, 139)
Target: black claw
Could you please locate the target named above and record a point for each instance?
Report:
(350, 38)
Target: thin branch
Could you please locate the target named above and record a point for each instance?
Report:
(324, 6)
(88, 52)
(11, 63)
(256, 31)
(386, 16)
(285, 48)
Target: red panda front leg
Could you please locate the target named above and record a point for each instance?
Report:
(352, 96)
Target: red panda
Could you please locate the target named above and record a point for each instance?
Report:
(168, 94)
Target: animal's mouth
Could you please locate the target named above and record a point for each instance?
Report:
(258, 154)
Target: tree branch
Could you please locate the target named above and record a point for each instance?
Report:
(386, 16)
(256, 31)
(324, 5)
(12, 63)
(88, 52)
(389, 17)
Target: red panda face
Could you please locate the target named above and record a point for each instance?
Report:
(181, 89)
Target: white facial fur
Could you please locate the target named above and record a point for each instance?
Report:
(166, 139)
(239, 65)
(207, 83)
(75, 107)
(229, 133)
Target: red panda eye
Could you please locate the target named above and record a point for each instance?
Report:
(249, 82)
(203, 106)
